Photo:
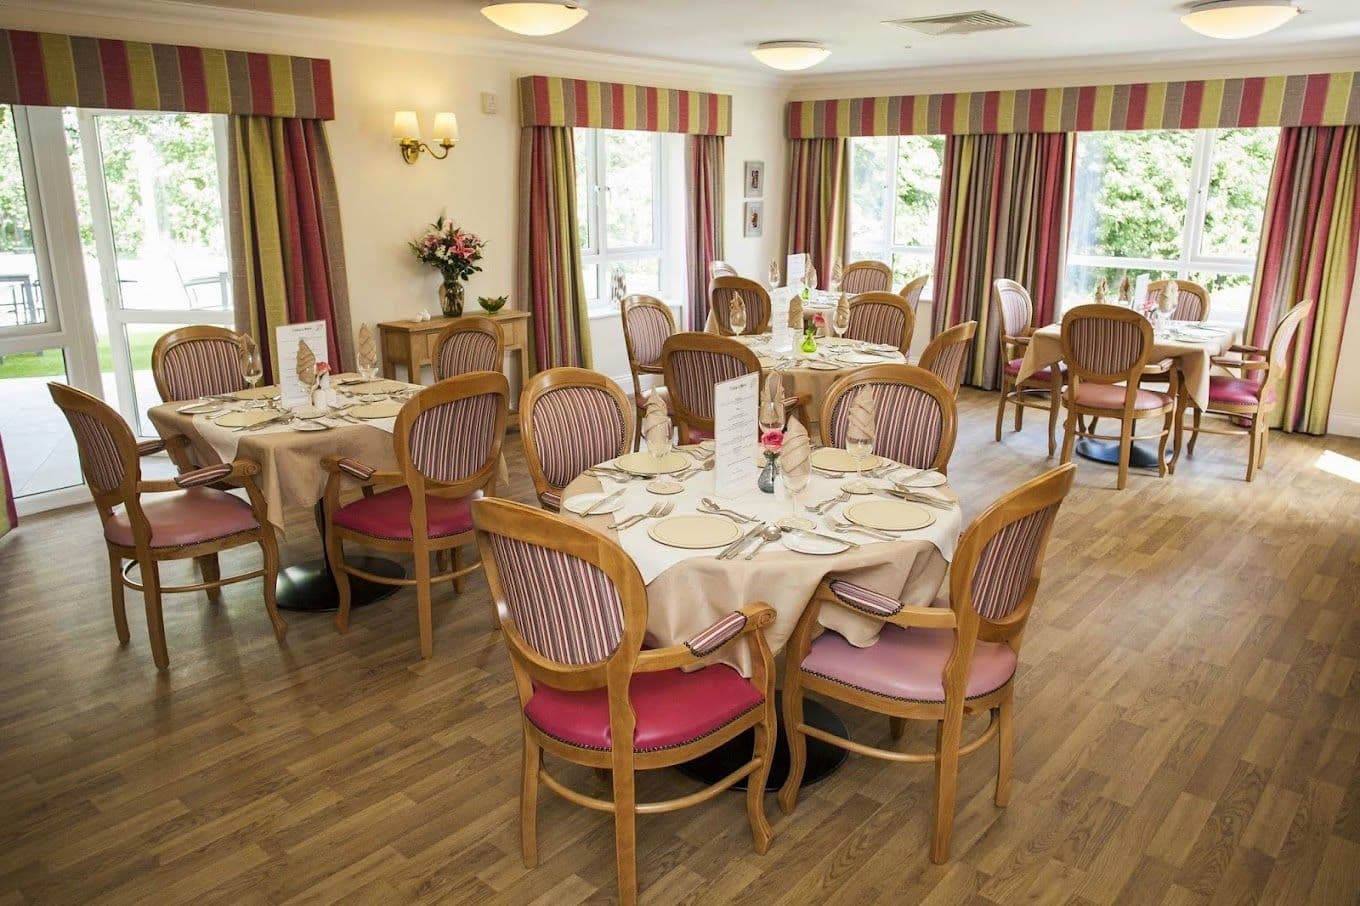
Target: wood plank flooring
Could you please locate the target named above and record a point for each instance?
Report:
(1188, 729)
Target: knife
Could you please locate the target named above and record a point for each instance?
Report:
(731, 549)
(603, 501)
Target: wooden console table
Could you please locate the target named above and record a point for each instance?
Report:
(410, 344)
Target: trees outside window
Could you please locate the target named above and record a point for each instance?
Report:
(895, 201)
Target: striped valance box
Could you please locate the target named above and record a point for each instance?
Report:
(1325, 99)
(51, 70)
(551, 101)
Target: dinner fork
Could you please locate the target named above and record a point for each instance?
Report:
(656, 512)
(820, 508)
(840, 524)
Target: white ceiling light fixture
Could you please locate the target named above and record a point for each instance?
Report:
(535, 18)
(791, 56)
(1234, 19)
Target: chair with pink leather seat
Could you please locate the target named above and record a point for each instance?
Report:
(1013, 312)
(935, 663)
(867, 276)
(1250, 391)
(571, 419)
(573, 613)
(150, 522)
(197, 360)
(647, 324)
(447, 443)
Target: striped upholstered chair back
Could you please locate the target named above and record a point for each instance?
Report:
(194, 361)
(571, 419)
(753, 296)
(647, 322)
(912, 290)
(916, 419)
(1106, 344)
(867, 277)
(693, 363)
(1192, 300)
(1012, 307)
(881, 317)
(448, 437)
(107, 447)
(946, 354)
(467, 345)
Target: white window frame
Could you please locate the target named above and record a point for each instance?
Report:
(885, 241)
(598, 252)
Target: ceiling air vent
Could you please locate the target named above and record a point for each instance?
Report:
(958, 23)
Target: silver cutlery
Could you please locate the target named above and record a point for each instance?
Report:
(848, 543)
(925, 499)
(616, 474)
(845, 525)
(731, 550)
(768, 533)
(656, 512)
(705, 466)
(820, 508)
(264, 424)
(708, 505)
(602, 502)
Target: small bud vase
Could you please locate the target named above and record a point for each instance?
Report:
(767, 474)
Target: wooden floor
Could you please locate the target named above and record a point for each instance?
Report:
(1188, 729)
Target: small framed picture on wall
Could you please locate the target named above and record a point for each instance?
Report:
(754, 179)
(753, 219)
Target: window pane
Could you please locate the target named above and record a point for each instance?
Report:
(919, 159)
(1131, 192)
(1229, 294)
(641, 275)
(871, 172)
(631, 162)
(590, 276)
(1080, 284)
(1238, 179)
(585, 181)
(21, 301)
(39, 447)
(910, 265)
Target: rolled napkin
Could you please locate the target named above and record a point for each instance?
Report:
(368, 346)
(736, 309)
(843, 308)
(1125, 289)
(1102, 292)
(796, 313)
(656, 424)
(795, 455)
(862, 413)
(774, 392)
(1170, 297)
(306, 364)
(711, 323)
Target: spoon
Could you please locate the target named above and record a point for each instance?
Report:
(768, 533)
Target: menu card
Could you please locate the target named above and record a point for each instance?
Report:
(735, 426)
(292, 392)
(781, 336)
(794, 270)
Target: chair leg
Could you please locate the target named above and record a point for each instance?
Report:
(1005, 746)
(897, 727)
(1095, 420)
(270, 547)
(1001, 407)
(1125, 448)
(335, 554)
(1179, 438)
(1069, 436)
(1253, 449)
(155, 624)
(423, 605)
(761, 834)
(625, 836)
(1194, 432)
(947, 737)
(116, 590)
(1019, 416)
(1265, 442)
(528, 801)
(210, 568)
(1054, 409)
(1162, 442)
(793, 721)
(456, 561)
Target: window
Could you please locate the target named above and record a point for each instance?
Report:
(620, 212)
(1179, 203)
(895, 201)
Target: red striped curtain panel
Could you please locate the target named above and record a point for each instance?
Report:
(1310, 236)
(819, 186)
(704, 163)
(1003, 213)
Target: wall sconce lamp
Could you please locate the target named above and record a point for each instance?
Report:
(406, 131)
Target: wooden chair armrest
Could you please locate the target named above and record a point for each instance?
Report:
(649, 369)
(1247, 349)
(891, 611)
(1162, 367)
(751, 618)
(925, 617)
(150, 447)
(337, 466)
(243, 470)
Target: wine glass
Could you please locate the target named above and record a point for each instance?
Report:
(659, 445)
(368, 367)
(794, 485)
(859, 442)
(737, 320)
(840, 321)
(837, 277)
(771, 416)
(774, 274)
(252, 368)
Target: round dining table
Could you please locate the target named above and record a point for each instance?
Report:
(688, 589)
(811, 375)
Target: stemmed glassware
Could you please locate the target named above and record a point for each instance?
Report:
(368, 367)
(773, 274)
(840, 321)
(837, 277)
(252, 368)
(659, 445)
(859, 443)
(794, 485)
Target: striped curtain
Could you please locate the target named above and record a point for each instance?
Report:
(1004, 202)
(703, 218)
(287, 260)
(1309, 238)
(819, 185)
(549, 260)
(9, 518)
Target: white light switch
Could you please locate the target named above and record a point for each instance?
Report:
(489, 105)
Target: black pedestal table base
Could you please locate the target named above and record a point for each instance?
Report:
(823, 759)
(308, 587)
(1141, 456)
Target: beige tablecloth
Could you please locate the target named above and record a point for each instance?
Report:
(813, 383)
(1192, 355)
(688, 590)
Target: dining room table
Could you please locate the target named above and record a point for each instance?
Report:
(690, 584)
(289, 443)
(810, 375)
(1189, 345)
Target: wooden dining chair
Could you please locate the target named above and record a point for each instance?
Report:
(150, 522)
(1192, 303)
(447, 441)
(753, 296)
(647, 323)
(1013, 312)
(571, 419)
(911, 291)
(881, 317)
(197, 360)
(692, 364)
(1250, 391)
(573, 614)
(1107, 349)
(867, 276)
(917, 417)
(945, 355)
(466, 345)
(935, 664)
(717, 268)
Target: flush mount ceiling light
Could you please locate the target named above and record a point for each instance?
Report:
(536, 19)
(1232, 19)
(790, 55)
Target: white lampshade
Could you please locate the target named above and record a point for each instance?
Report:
(405, 125)
(1232, 19)
(445, 128)
(536, 18)
(790, 55)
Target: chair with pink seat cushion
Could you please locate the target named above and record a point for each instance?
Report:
(447, 444)
(1249, 392)
(573, 613)
(571, 419)
(647, 324)
(197, 360)
(1192, 300)
(1013, 313)
(754, 298)
(916, 418)
(149, 522)
(933, 663)
(467, 345)
(1107, 348)
(867, 276)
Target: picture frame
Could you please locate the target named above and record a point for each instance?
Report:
(753, 219)
(753, 179)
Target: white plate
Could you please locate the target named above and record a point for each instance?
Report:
(582, 502)
(927, 479)
(642, 463)
(694, 532)
(310, 425)
(308, 412)
(864, 358)
(811, 544)
(817, 365)
(834, 459)
(889, 515)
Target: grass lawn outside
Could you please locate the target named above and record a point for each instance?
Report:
(51, 363)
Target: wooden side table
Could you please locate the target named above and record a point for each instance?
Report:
(410, 344)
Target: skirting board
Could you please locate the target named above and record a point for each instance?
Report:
(1346, 424)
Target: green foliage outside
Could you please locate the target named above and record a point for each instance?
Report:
(51, 364)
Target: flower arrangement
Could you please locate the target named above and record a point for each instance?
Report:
(772, 441)
(454, 252)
